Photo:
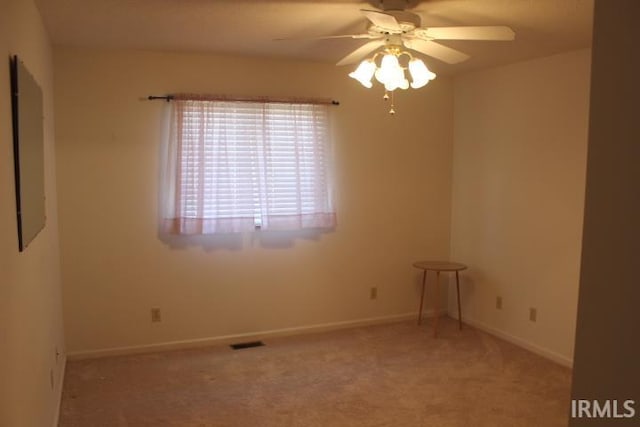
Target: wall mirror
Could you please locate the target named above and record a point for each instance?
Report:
(28, 152)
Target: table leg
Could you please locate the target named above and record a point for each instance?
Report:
(459, 306)
(424, 280)
(436, 305)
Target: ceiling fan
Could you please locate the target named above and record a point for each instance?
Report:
(397, 31)
(395, 26)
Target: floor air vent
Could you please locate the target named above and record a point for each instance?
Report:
(250, 344)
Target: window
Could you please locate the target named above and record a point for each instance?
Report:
(234, 165)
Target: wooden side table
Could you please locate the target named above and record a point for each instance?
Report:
(439, 266)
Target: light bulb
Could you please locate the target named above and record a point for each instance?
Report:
(420, 74)
(364, 72)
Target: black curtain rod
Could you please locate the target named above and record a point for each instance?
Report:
(247, 99)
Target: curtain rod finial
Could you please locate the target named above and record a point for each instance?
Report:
(165, 97)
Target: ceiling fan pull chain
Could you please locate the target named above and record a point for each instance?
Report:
(391, 111)
(386, 98)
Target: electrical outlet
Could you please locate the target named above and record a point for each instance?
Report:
(373, 293)
(499, 303)
(155, 315)
(533, 314)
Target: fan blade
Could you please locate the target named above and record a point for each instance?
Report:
(470, 33)
(436, 50)
(382, 20)
(342, 36)
(361, 52)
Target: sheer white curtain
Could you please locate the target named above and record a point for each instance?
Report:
(233, 166)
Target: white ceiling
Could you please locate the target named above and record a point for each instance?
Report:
(249, 27)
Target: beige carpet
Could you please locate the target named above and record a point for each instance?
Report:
(390, 375)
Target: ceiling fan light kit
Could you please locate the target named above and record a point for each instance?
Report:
(390, 73)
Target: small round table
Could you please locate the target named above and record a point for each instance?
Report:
(439, 266)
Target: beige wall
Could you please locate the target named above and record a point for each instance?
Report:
(30, 307)
(518, 191)
(607, 345)
(393, 181)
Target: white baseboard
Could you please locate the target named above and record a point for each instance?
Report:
(540, 351)
(251, 336)
(56, 415)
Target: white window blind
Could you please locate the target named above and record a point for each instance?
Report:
(237, 165)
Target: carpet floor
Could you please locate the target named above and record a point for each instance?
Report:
(387, 375)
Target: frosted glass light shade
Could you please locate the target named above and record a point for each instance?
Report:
(391, 74)
(420, 74)
(388, 67)
(364, 72)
